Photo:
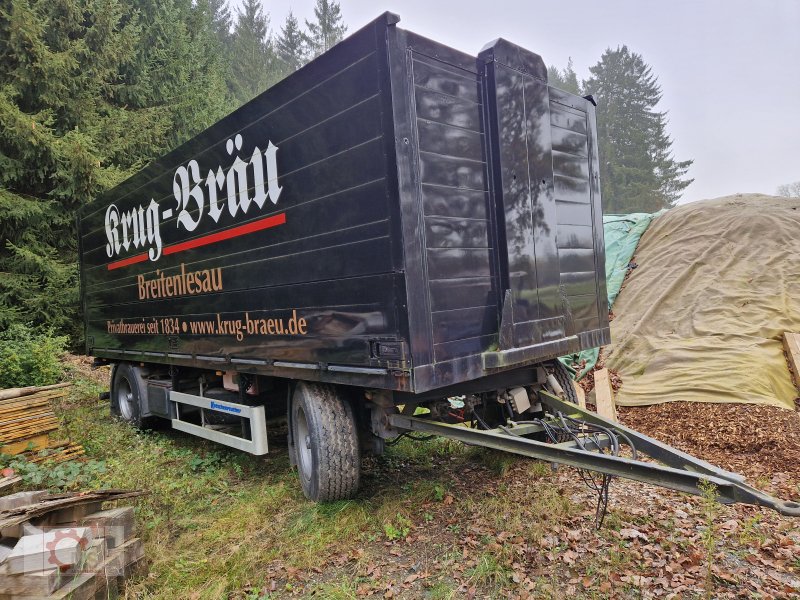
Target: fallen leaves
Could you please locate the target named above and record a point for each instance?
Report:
(632, 534)
(521, 537)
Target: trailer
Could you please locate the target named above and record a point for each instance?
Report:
(397, 237)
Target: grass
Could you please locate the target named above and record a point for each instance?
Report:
(497, 462)
(490, 570)
(221, 524)
(343, 588)
(709, 535)
(214, 515)
(442, 591)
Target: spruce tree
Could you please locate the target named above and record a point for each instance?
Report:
(214, 22)
(565, 79)
(291, 46)
(638, 171)
(218, 14)
(90, 91)
(58, 78)
(328, 27)
(253, 64)
(178, 68)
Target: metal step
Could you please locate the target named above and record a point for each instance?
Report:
(253, 422)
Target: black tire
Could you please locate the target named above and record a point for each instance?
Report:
(128, 388)
(564, 379)
(325, 444)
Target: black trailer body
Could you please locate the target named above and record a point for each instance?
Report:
(395, 215)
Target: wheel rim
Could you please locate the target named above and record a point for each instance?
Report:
(125, 399)
(303, 444)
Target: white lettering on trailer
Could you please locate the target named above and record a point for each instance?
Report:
(143, 225)
(140, 226)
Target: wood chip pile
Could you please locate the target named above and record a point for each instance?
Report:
(761, 442)
(27, 424)
(66, 547)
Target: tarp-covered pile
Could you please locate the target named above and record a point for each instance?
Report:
(702, 317)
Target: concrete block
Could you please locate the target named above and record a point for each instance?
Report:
(106, 588)
(82, 587)
(115, 525)
(124, 559)
(6, 546)
(14, 531)
(33, 527)
(59, 548)
(91, 559)
(38, 583)
(20, 499)
(75, 513)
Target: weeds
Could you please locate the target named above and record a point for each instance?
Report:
(341, 589)
(224, 524)
(422, 453)
(224, 516)
(428, 491)
(397, 529)
(497, 462)
(489, 570)
(62, 476)
(441, 591)
(751, 531)
(709, 536)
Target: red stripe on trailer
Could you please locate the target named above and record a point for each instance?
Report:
(213, 238)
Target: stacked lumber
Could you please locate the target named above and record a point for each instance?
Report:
(27, 421)
(66, 546)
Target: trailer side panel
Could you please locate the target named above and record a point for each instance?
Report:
(266, 238)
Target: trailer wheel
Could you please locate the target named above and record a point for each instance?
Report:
(127, 391)
(324, 443)
(564, 379)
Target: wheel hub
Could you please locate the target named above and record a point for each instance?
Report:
(305, 458)
(125, 399)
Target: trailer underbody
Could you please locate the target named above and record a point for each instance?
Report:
(331, 426)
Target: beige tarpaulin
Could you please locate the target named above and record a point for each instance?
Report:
(702, 317)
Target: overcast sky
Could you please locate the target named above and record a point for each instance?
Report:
(729, 69)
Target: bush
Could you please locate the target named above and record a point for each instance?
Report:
(28, 357)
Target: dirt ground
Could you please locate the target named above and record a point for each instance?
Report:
(654, 544)
(530, 533)
(440, 520)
